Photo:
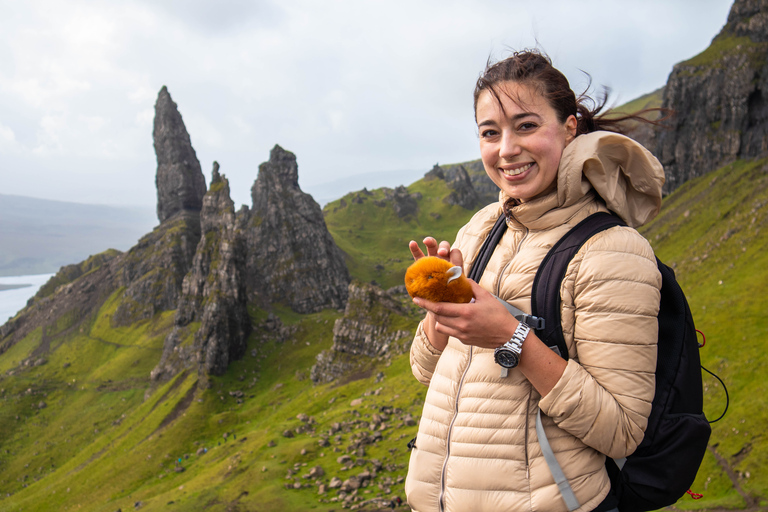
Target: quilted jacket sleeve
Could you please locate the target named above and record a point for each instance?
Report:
(610, 304)
(424, 356)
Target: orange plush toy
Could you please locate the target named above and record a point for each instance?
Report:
(435, 279)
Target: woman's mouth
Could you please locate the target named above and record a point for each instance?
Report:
(518, 171)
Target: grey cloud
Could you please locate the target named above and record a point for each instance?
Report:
(222, 15)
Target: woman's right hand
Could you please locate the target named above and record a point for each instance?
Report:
(442, 250)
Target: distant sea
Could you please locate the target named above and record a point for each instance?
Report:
(14, 296)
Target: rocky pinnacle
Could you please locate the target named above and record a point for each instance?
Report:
(180, 181)
(291, 256)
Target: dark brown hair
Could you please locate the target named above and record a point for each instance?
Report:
(535, 69)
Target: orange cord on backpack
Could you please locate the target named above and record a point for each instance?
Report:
(692, 494)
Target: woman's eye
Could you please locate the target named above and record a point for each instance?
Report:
(487, 133)
(527, 126)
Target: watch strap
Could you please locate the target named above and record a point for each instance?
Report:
(518, 337)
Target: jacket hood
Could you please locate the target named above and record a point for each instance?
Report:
(621, 171)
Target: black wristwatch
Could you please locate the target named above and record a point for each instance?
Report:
(508, 355)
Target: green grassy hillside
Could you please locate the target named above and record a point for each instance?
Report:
(375, 239)
(87, 431)
(84, 429)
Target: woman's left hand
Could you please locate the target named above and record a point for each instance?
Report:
(483, 323)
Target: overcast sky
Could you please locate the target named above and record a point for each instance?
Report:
(349, 86)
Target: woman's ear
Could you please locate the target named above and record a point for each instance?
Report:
(570, 127)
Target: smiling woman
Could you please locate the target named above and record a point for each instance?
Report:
(557, 162)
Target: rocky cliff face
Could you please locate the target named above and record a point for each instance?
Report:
(364, 330)
(457, 178)
(292, 258)
(486, 191)
(180, 182)
(153, 270)
(212, 293)
(721, 99)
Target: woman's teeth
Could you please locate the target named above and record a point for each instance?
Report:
(518, 171)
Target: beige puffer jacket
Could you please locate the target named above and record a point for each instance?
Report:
(477, 448)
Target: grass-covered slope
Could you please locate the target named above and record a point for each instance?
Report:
(84, 429)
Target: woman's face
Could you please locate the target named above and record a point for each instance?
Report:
(521, 143)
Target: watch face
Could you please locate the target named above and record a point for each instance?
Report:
(506, 358)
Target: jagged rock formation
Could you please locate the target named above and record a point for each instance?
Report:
(403, 202)
(457, 178)
(486, 190)
(153, 270)
(203, 261)
(180, 181)
(721, 99)
(292, 258)
(213, 294)
(364, 330)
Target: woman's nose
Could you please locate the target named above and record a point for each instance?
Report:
(510, 146)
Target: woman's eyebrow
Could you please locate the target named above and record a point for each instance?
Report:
(516, 117)
(523, 115)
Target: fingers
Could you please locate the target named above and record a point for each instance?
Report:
(456, 257)
(441, 250)
(449, 318)
(432, 246)
(415, 250)
(439, 309)
(478, 291)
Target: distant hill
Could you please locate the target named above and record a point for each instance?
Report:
(38, 236)
(328, 191)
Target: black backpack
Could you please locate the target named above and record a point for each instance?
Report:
(665, 463)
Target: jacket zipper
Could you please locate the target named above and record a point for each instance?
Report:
(527, 425)
(528, 405)
(440, 503)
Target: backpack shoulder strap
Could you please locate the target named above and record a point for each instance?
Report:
(545, 296)
(490, 243)
(481, 261)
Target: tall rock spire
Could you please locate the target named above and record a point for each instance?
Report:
(180, 181)
(292, 258)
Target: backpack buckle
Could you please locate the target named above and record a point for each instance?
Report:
(534, 322)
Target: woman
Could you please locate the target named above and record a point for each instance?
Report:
(554, 163)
